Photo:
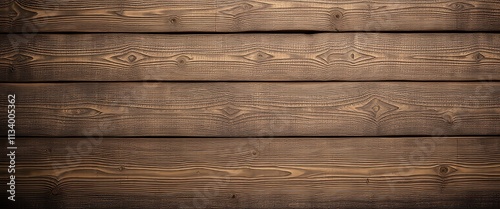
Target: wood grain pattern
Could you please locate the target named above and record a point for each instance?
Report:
(257, 108)
(247, 15)
(130, 118)
(243, 57)
(436, 172)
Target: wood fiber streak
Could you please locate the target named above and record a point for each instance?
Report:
(243, 109)
(434, 172)
(256, 57)
(245, 15)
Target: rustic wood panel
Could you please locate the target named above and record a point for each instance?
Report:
(264, 57)
(244, 15)
(257, 108)
(436, 172)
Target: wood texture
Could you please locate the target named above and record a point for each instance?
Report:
(257, 108)
(251, 57)
(437, 172)
(130, 116)
(244, 15)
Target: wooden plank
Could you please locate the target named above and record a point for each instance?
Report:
(256, 108)
(255, 57)
(245, 15)
(436, 172)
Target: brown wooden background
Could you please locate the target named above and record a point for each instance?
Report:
(253, 103)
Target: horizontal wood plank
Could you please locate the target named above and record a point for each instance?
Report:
(255, 57)
(256, 108)
(248, 15)
(435, 172)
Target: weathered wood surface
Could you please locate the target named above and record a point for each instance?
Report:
(436, 172)
(130, 142)
(257, 108)
(251, 57)
(244, 15)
